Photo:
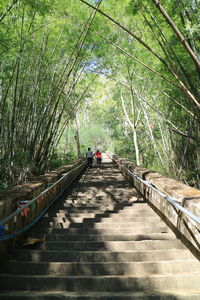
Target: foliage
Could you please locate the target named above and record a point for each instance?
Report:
(130, 84)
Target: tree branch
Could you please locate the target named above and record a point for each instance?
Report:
(178, 33)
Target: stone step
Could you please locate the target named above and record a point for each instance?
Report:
(101, 256)
(164, 295)
(113, 207)
(110, 245)
(109, 209)
(100, 220)
(99, 205)
(94, 248)
(111, 231)
(80, 198)
(76, 208)
(108, 283)
(120, 215)
(101, 211)
(100, 208)
(44, 224)
(116, 207)
(110, 237)
(100, 269)
(143, 295)
(72, 209)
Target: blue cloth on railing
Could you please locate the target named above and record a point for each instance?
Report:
(2, 228)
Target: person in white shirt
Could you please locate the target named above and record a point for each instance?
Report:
(89, 156)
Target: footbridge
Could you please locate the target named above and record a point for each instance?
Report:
(111, 232)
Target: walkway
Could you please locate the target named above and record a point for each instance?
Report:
(101, 241)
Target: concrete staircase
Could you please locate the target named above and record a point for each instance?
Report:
(101, 241)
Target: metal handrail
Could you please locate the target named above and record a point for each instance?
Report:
(30, 202)
(171, 200)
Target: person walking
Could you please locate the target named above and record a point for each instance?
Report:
(98, 157)
(89, 156)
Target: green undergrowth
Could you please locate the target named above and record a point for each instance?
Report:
(21, 171)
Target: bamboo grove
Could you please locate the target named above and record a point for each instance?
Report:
(122, 75)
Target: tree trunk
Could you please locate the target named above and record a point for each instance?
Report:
(134, 132)
(181, 38)
(76, 136)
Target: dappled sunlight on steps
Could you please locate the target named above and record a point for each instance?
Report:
(101, 241)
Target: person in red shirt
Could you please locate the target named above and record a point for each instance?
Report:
(98, 157)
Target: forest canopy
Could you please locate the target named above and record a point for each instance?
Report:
(119, 75)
